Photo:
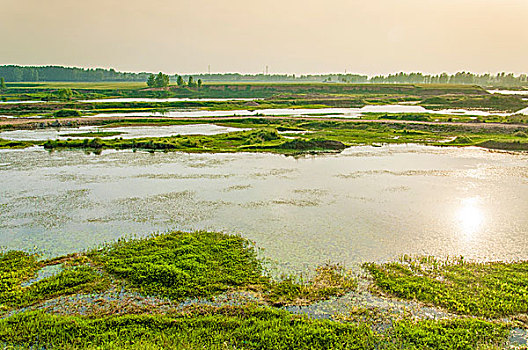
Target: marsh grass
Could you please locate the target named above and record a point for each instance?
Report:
(16, 144)
(493, 289)
(181, 265)
(321, 135)
(240, 328)
(262, 139)
(15, 268)
(18, 267)
(330, 280)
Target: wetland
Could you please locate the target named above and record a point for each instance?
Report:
(264, 216)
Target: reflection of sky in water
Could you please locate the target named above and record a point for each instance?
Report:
(319, 112)
(128, 132)
(338, 112)
(367, 203)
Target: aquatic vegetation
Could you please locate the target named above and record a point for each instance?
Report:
(17, 267)
(76, 279)
(15, 144)
(492, 289)
(175, 265)
(505, 145)
(62, 113)
(181, 265)
(259, 139)
(329, 280)
(492, 102)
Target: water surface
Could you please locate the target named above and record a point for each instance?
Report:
(366, 204)
(128, 132)
(509, 92)
(307, 112)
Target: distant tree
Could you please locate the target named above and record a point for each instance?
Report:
(151, 80)
(2, 84)
(191, 82)
(65, 94)
(160, 80)
(180, 81)
(199, 83)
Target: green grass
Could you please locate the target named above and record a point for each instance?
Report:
(492, 289)
(64, 113)
(17, 267)
(263, 139)
(183, 265)
(492, 102)
(73, 280)
(329, 280)
(16, 144)
(322, 135)
(240, 328)
(175, 265)
(274, 95)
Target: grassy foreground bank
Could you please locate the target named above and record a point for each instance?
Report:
(241, 328)
(70, 310)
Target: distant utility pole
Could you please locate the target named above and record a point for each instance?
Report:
(209, 69)
(267, 70)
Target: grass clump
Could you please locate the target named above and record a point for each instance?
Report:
(493, 289)
(63, 113)
(70, 281)
(15, 144)
(329, 280)
(461, 140)
(16, 267)
(241, 328)
(181, 265)
(520, 134)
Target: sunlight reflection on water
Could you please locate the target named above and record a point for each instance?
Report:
(365, 204)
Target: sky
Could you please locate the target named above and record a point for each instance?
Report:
(290, 36)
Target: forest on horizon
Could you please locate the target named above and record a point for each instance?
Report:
(16, 73)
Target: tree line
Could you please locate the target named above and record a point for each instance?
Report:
(163, 80)
(13, 73)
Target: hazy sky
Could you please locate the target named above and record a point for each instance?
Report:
(294, 36)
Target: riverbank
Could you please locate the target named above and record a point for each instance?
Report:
(209, 289)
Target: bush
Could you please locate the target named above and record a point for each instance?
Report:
(67, 113)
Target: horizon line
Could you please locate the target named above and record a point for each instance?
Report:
(344, 72)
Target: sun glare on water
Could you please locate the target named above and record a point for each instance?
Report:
(470, 217)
